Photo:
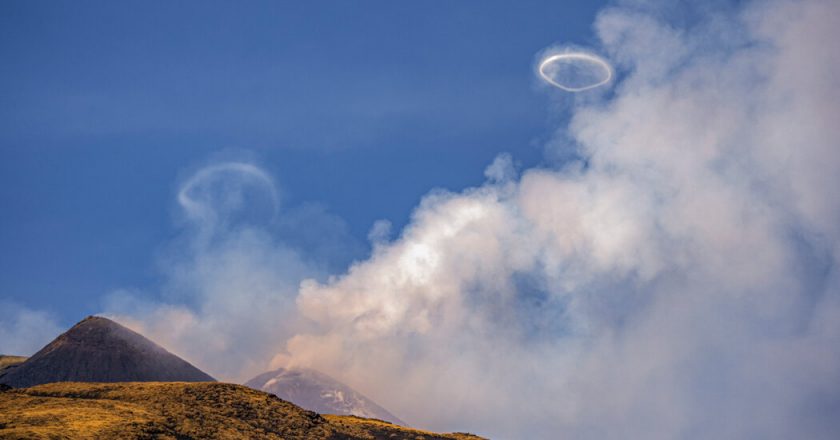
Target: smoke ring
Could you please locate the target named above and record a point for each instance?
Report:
(197, 209)
(575, 56)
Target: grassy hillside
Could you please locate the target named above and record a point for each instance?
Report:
(179, 411)
(7, 361)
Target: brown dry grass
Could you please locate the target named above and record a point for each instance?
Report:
(385, 430)
(156, 410)
(6, 360)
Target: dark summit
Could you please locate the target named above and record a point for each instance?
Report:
(100, 350)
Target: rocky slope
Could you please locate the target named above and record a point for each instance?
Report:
(318, 392)
(100, 350)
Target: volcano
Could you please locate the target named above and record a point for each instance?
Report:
(100, 350)
(318, 392)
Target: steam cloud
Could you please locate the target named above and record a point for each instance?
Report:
(227, 303)
(679, 281)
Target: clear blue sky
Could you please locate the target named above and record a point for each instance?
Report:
(361, 107)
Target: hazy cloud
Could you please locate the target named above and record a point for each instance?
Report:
(227, 300)
(24, 331)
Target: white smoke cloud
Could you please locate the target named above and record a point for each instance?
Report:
(227, 301)
(679, 281)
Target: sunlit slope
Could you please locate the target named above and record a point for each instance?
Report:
(7, 362)
(380, 429)
(177, 411)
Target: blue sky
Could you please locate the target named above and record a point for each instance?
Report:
(659, 259)
(362, 108)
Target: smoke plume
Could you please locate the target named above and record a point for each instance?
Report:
(678, 280)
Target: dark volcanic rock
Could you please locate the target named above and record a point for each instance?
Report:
(100, 350)
(318, 392)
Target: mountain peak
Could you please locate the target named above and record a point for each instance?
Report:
(98, 349)
(318, 392)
